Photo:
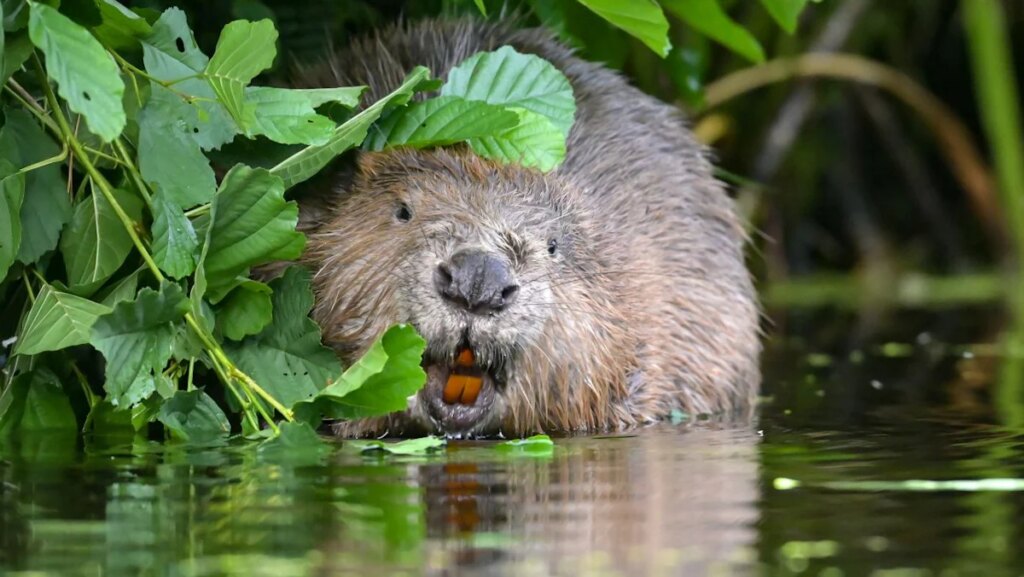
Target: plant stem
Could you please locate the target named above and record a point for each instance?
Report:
(133, 170)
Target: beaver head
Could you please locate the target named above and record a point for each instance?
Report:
(494, 267)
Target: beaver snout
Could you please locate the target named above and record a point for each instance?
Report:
(477, 281)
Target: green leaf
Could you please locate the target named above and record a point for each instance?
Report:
(415, 447)
(96, 243)
(207, 119)
(244, 49)
(533, 142)
(438, 122)
(286, 116)
(513, 80)
(46, 208)
(481, 7)
(286, 358)
(56, 321)
(308, 161)
(170, 157)
(122, 290)
(35, 401)
(14, 55)
(640, 18)
(252, 224)
(297, 442)
(537, 444)
(785, 12)
(120, 28)
(708, 18)
(174, 239)
(136, 338)
(3, 40)
(379, 383)
(86, 76)
(247, 310)
(12, 193)
(194, 417)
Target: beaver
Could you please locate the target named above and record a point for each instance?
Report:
(604, 294)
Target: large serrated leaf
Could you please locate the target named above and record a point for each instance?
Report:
(96, 243)
(12, 194)
(244, 49)
(167, 145)
(86, 76)
(174, 239)
(46, 208)
(286, 358)
(438, 122)
(533, 142)
(513, 80)
(56, 321)
(308, 161)
(710, 19)
(194, 417)
(252, 224)
(136, 337)
(785, 12)
(640, 18)
(379, 383)
(247, 310)
(207, 119)
(286, 116)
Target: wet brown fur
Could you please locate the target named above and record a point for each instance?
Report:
(648, 307)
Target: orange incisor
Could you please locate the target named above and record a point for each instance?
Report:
(465, 380)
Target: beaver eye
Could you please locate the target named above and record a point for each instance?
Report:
(403, 212)
(552, 247)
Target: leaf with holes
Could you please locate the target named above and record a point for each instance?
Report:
(46, 208)
(642, 19)
(12, 193)
(785, 12)
(710, 19)
(174, 239)
(380, 382)
(167, 145)
(244, 49)
(250, 224)
(86, 76)
(286, 358)
(136, 337)
(56, 321)
(96, 243)
(308, 161)
(513, 80)
(438, 122)
(170, 54)
(533, 142)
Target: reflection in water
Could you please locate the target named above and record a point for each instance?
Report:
(668, 501)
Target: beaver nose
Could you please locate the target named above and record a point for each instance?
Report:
(477, 281)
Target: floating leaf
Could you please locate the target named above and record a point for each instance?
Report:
(438, 122)
(785, 12)
(166, 145)
(244, 49)
(194, 417)
(247, 310)
(96, 243)
(252, 224)
(56, 321)
(535, 445)
(379, 383)
(12, 193)
(286, 358)
(308, 161)
(413, 447)
(136, 338)
(534, 142)
(513, 80)
(640, 18)
(174, 239)
(709, 18)
(46, 208)
(86, 76)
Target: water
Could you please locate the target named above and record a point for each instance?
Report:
(817, 484)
